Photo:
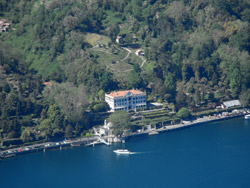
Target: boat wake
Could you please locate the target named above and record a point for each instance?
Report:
(136, 153)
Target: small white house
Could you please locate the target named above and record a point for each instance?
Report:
(229, 104)
(120, 39)
(139, 52)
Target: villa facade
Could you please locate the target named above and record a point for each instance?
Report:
(126, 100)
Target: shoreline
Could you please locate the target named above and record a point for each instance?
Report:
(186, 124)
(87, 141)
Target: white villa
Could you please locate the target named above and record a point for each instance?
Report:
(126, 100)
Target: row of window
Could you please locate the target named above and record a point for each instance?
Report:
(138, 102)
(139, 98)
(121, 104)
(133, 98)
(126, 104)
(120, 109)
(141, 106)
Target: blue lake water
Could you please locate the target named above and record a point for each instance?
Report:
(205, 156)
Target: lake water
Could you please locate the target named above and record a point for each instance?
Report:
(205, 156)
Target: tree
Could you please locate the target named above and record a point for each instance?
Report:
(196, 53)
(101, 95)
(235, 78)
(241, 40)
(101, 107)
(197, 97)
(6, 87)
(177, 11)
(120, 121)
(70, 99)
(134, 79)
(214, 78)
(246, 14)
(78, 128)
(113, 31)
(137, 68)
(184, 113)
(128, 39)
(69, 131)
(107, 83)
(245, 98)
(46, 128)
(13, 134)
(184, 72)
(181, 98)
(210, 96)
(170, 84)
(27, 135)
(53, 112)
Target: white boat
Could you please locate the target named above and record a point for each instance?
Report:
(75, 144)
(247, 116)
(153, 133)
(122, 151)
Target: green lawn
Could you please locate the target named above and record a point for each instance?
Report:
(116, 62)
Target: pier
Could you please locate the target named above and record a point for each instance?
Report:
(98, 141)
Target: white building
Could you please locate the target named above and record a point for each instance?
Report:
(229, 104)
(139, 52)
(104, 130)
(126, 100)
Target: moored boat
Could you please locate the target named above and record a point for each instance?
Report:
(75, 144)
(247, 116)
(153, 133)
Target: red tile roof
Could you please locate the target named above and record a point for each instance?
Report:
(47, 83)
(123, 93)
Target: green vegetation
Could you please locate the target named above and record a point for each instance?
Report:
(121, 122)
(184, 113)
(197, 55)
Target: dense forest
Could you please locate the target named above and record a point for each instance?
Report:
(59, 57)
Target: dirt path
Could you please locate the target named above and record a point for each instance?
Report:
(96, 48)
(129, 52)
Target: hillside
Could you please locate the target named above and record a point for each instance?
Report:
(196, 54)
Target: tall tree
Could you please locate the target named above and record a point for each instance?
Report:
(170, 84)
(120, 121)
